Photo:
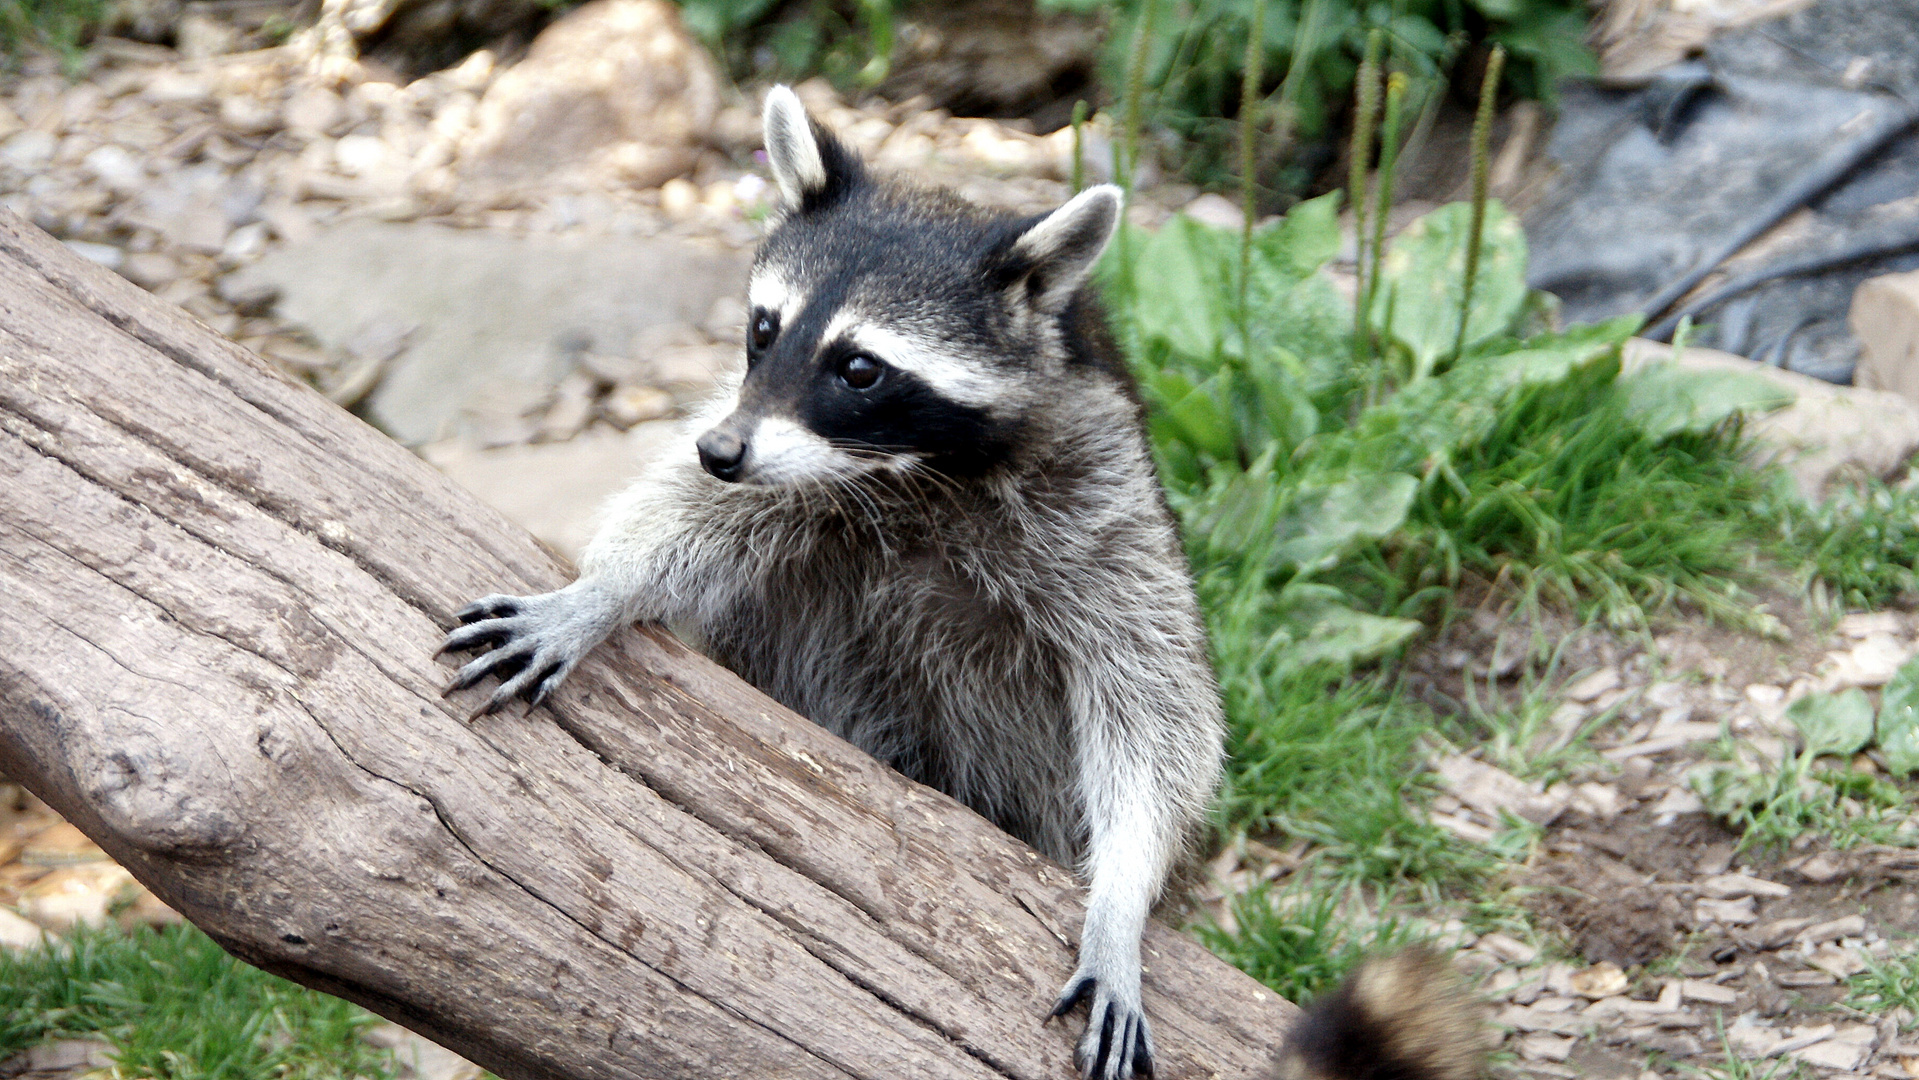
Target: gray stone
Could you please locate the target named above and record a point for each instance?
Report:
(554, 490)
(1828, 431)
(488, 307)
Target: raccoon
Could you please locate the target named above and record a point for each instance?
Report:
(927, 518)
(1399, 1017)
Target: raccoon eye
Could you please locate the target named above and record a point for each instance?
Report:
(766, 327)
(860, 371)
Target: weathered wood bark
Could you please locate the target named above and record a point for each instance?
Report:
(218, 599)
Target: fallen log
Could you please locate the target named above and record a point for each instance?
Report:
(222, 594)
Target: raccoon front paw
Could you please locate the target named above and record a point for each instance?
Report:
(1117, 1044)
(530, 642)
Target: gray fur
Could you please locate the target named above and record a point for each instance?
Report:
(1025, 638)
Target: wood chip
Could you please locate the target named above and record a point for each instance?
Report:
(1850, 926)
(1543, 1047)
(1730, 912)
(1733, 886)
(1832, 1054)
(1799, 980)
(1601, 980)
(1507, 948)
(1710, 993)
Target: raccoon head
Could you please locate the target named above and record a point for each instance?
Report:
(892, 330)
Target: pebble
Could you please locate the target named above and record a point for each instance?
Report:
(1848, 926)
(17, 933)
(105, 254)
(1508, 948)
(1731, 912)
(28, 150)
(1604, 979)
(1588, 687)
(1709, 993)
(1733, 886)
(1540, 1046)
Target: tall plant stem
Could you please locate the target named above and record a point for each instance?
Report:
(1383, 188)
(1079, 146)
(1249, 103)
(1365, 115)
(1129, 139)
(1482, 145)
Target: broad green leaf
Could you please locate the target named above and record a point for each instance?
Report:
(1202, 422)
(1833, 723)
(1665, 399)
(1422, 283)
(1899, 720)
(1183, 279)
(1278, 380)
(1319, 521)
(1239, 515)
(1311, 320)
(1297, 245)
(1314, 630)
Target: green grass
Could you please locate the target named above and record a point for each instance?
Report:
(1891, 983)
(174, 1006)
(1302, 939)
(60, 25)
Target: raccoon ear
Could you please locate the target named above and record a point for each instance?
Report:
(1055, 255)
(811, 167)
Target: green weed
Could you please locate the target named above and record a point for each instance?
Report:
(60, 25)
(1889, 983)
(1862, 543)
(1302, 939)
(1732, 1066)
(175, 1006)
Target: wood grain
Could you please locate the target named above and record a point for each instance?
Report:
(220, 599)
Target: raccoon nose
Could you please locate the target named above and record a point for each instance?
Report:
(722, 453)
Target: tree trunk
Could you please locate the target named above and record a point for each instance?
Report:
(221, 597)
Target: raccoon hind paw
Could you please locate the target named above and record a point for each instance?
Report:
(1406, 1016)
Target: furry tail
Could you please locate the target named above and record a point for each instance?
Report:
(1400, 1017)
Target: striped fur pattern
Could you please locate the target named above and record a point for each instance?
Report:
(927, 518)
(1399, 1017)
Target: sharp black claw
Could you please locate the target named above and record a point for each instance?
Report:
(1074, 993)
(1105, 1051)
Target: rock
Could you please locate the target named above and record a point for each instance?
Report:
(419, 1057)
(488, 307)
(1865, 624)
(76, 895)
(1709, 993)
(554, 490)
(615, 87)
(991, 57)
(17, 933)
(151, 270)
(1833, 930)
(1885, 319)
(1590, 686)
(1827, 430)
(1799, 980)
(313, 110)
(1520, 1018)
(1215, 210)
(115, 167)
(1544, 1047)
(1822, 867)
(1604, 979)
(249, 299)
(629, 405)
(1840, 963)
(29, 150)
(105, 254)
(572, 408)
(1491, 790)
(1733, 886)
(64, 1057)
(1731, 912)
(1509, 949)
(201, 37)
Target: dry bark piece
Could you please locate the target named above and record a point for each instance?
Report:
(223, 596)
